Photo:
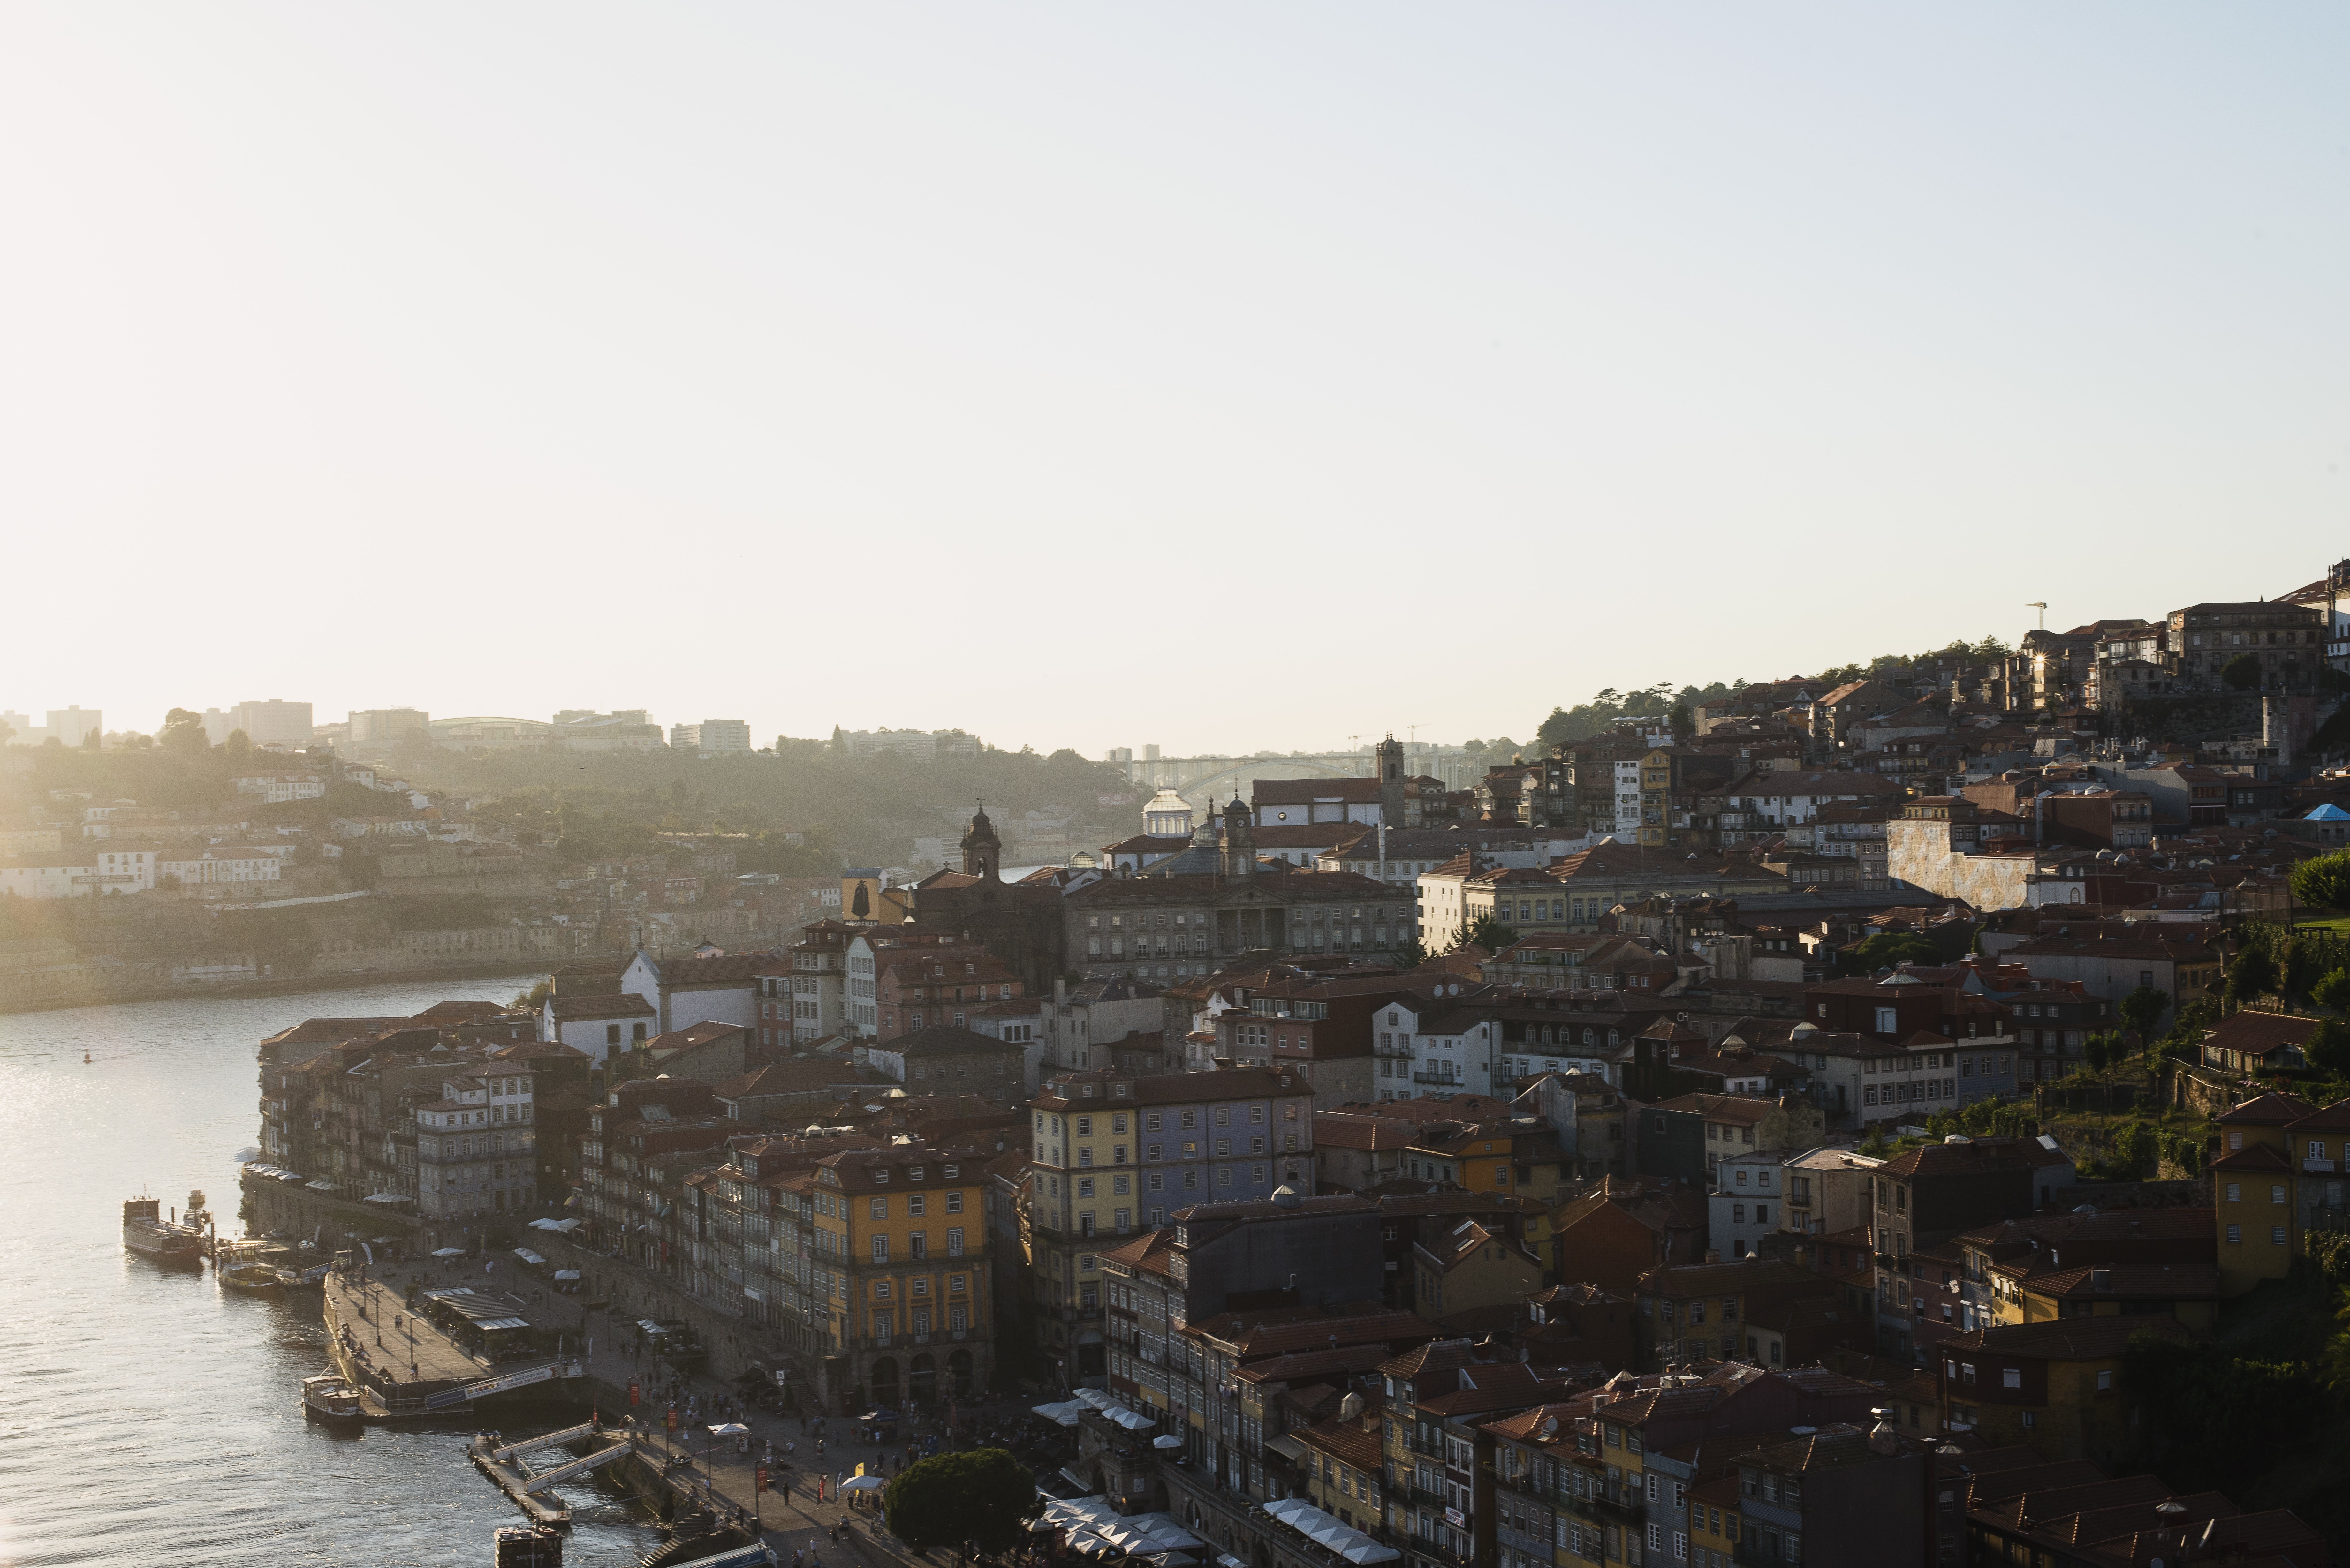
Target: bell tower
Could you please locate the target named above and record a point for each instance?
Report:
(1389, 755)
(982, 851)
(1239, 840)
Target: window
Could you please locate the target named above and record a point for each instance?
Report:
(2106, 1381)
(2011, 1377)
(881, 1209)
(2235, 1192)
(2276, 1235)
(2235, 1233)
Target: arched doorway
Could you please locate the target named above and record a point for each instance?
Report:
(884, 1382)
(959, 1371)
(922, 1382)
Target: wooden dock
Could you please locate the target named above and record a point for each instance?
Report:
(531, 1489)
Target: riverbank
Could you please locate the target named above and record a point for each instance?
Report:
(289, 985)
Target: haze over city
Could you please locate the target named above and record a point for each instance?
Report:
(1072, 376)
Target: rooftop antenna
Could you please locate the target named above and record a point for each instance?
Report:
(2041, 606)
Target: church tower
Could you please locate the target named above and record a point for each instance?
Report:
(982, 851)
(1389, 755)
(1239, 840)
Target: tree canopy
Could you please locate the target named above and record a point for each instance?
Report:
(983, 1496)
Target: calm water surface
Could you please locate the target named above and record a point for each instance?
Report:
(146, 1416)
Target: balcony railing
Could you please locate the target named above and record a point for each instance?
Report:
(1437, 1078)
(1604, 1510)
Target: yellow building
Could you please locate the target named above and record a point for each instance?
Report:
(2251, 1191)
(1470, 1266)
(2055, 1385)
(901, 1250)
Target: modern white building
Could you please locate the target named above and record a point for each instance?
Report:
(712, 738)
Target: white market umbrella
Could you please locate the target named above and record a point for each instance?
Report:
(566, 1274)
(1164, 1441)
(863, 1483)
(729, 1430)
(450, 1252)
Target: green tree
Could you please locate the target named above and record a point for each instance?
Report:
(237, 747)
(2243, 673)
(2332, 991)
(2323, 880)
(2099, 1052)
(1888, 949)
(183, 732)
(983, 1496)
(2328, 1048)
(1488, 934)
(2253, 973)
(1683, 722)
(2138, 1151)
(2142, 1009)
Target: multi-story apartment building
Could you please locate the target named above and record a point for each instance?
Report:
(638, 1126)
(1112, 1154)
(809, 989)
(476, 1146)
(712, 738)
(2287, 639)
(1437, 1455)
(900, 1258)
(380, 729)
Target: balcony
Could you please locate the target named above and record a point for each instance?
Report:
(2312, 1167)
(1437, 1078)
(1603, 1510)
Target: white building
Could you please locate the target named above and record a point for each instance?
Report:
(67, 726)
(380, 728)
(57, 873)
(1430, 1045)
(274, 787)
(199, 866)
(723, 988)
(1745, 1203)
(598, 1024)
(920, 745)
(712, 738)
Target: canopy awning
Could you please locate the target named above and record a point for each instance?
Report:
(1317, 1526)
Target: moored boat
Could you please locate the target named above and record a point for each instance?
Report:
(144, 1230)
(330, 1397)
(254, 1279)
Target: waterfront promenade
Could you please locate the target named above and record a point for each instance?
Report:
(789, 1518)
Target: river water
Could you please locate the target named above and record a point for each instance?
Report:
(147, 1415)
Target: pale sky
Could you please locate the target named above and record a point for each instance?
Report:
(1221, 376)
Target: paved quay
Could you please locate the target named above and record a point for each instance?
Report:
(790, 1517)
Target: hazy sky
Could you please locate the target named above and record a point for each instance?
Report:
(1221, 376)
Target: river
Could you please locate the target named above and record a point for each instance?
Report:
(147, 1415)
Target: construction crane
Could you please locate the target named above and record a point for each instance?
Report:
(2041, 606)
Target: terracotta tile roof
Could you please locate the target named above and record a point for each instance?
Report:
(2067, 1339)
(2272, 1110)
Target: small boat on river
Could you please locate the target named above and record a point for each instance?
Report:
(254, 1279)
(329, 1398)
